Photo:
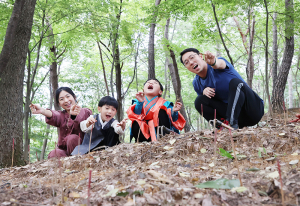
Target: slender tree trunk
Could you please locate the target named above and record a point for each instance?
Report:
(266, 58)
(176, 79)
(103, 68)
(11, 87)
(48, 126)
(278, 90)
(53, 66)
(275, 50)
(250, 64)
(118, 68)
(220, 33)
(151, 52)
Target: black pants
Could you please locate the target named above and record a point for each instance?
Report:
(163, 121)
(244, 107)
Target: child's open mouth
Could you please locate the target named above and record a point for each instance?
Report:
(108, 116)
(150, 86)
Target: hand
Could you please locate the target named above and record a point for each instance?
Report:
(177, 106)
(36, 109)
(210, 58)
(209, 92)
(75, 110)
(90, 121)
(123, 123)
(140, 96)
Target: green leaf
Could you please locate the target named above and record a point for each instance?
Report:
(220, 184)
(254, 169)
(259, 153)
(123, 194)
(224, 153)
(138, 192)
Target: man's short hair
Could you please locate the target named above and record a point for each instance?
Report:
(108, 100)
(188, 50)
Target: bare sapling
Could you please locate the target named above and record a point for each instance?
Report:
(236, 160)
(89, 186)
(79, 144)
(91, 139)
(29, 154)
(279, 171)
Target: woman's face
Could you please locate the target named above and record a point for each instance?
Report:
(66, 100)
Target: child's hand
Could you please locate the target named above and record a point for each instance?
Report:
(90, 121)
(75, 110)
(177, 106)
(140, 96)
(123, 123)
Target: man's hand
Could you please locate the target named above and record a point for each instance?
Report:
(75, 110)
(177, 106)
(123, 123)
(36, 109)
(209, 92)
(210, 58)
(140, 96)
(90, 121)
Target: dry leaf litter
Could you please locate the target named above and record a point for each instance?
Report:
(168, 171)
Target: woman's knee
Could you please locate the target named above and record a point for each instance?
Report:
(57, 153)
(72, 139)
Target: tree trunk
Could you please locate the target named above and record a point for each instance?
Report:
(10, 35)
(11, 86)
(176, 79)
(275, 50)
(220, 33)
(278, 90)
(250, 64)
(48, 126)
(291, 96)
(151, 53)
(119, 83)
(53, 66)
(103, 68)
(267, 58)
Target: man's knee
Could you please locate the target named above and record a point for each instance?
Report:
(234, 83)
(201, 99)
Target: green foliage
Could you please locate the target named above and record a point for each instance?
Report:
(224, 153)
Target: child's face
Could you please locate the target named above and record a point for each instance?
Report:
(107, 112)
(152, 88)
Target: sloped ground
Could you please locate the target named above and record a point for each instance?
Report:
(166, 172)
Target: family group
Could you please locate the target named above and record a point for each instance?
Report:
(221, 90)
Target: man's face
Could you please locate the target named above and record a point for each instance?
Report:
(193, 62)
(152, 88)
(107, 112)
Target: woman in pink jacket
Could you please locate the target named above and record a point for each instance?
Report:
(68, 121)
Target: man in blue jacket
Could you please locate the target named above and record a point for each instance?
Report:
(219, 86)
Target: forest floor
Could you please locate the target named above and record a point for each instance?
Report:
(170, 171)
